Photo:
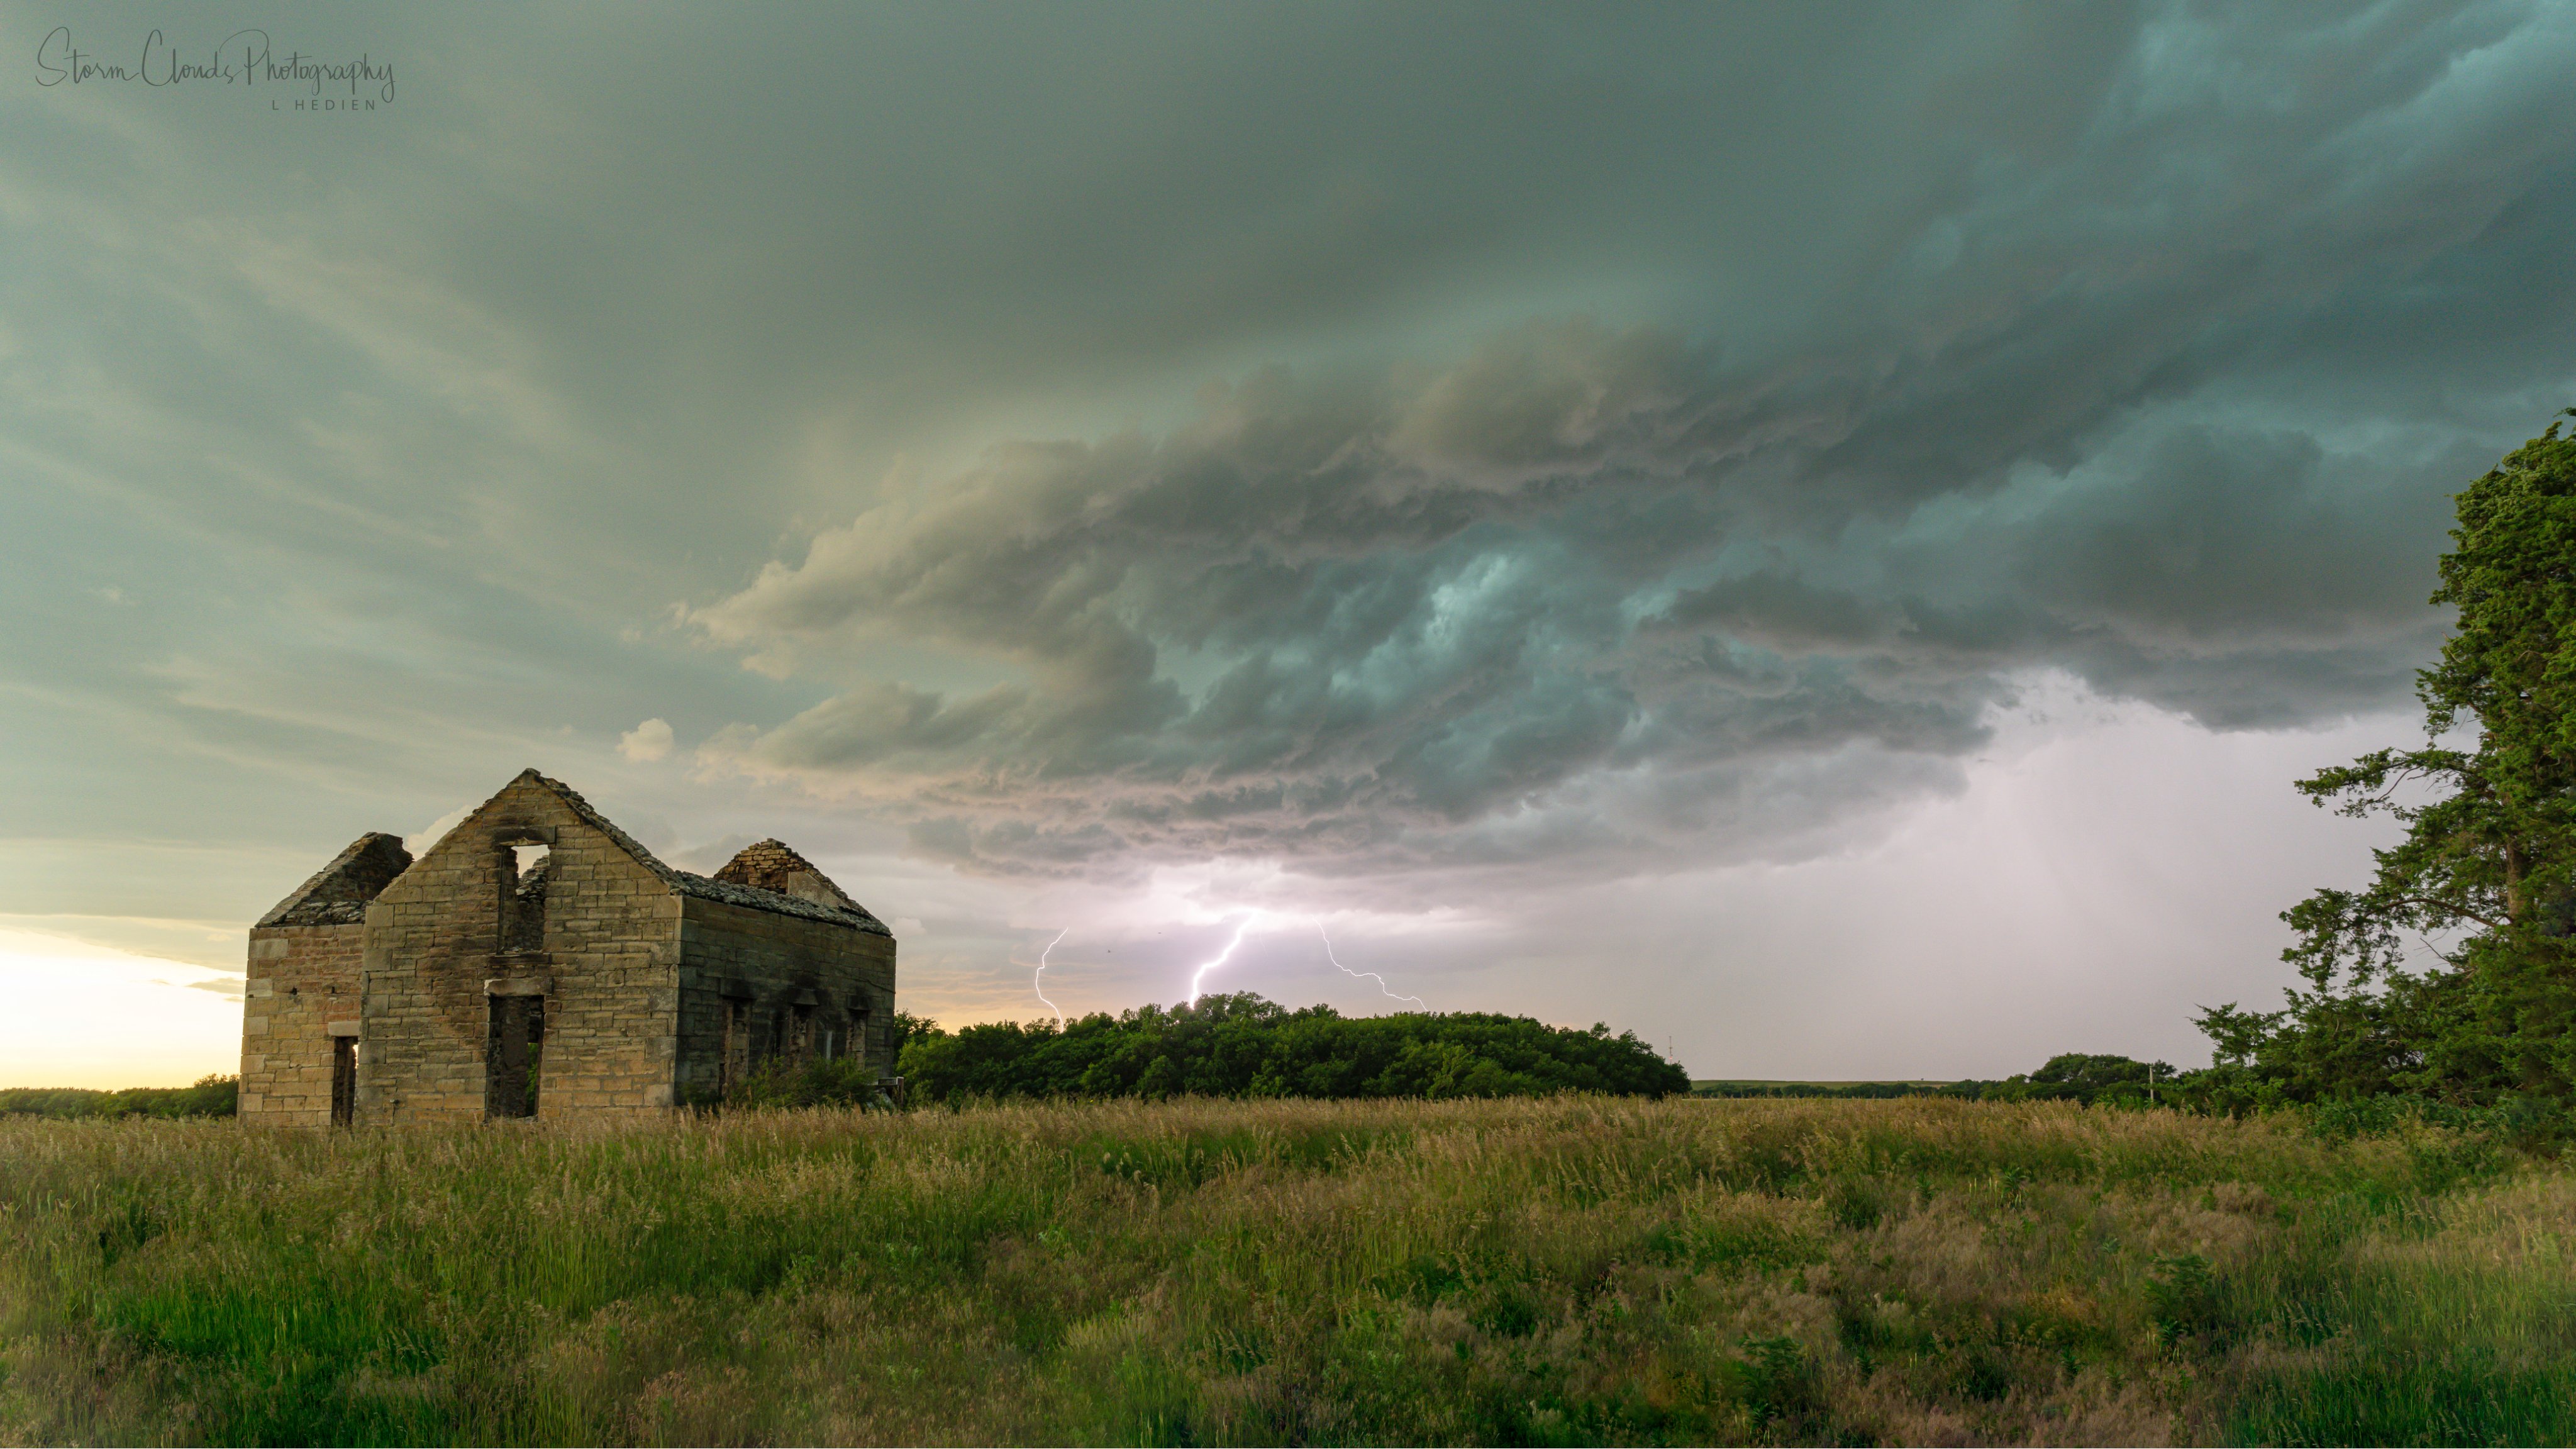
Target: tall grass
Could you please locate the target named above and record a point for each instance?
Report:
(1561, 1270)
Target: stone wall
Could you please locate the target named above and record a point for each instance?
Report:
(434, 957)
(302, 981)
(759, 968)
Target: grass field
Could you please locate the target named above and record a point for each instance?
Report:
(1555, 1270)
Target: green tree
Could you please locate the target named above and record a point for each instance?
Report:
(1239, 1045)
(2489, 857)
(909, 1028)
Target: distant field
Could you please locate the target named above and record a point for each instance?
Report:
(1559, 1270)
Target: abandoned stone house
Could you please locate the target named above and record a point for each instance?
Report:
(538, 962)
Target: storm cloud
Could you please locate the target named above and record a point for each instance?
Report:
(1511, 449)
(1344, 620)
(2083, 406)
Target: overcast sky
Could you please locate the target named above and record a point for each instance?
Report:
(1820, 534)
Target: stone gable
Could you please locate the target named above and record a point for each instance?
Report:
(771, 866)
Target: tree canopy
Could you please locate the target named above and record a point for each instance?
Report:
(1241, 1045)
(2484, 882)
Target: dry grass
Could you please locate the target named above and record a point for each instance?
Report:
(1569, 1270)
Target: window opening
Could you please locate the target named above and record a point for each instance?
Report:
(859, 1035)
(800, 1035)
(344, 1081)
(514, 1056)
(525, 874)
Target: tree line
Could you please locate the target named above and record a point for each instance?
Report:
(1240, 1045)
(211, 1096)
(2090, 1078)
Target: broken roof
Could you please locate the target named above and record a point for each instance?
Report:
(774, 865)
(338, 893)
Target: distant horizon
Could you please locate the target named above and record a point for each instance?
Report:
(194, 1019)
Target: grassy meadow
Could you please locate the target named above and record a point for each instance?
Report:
(1558, 1270)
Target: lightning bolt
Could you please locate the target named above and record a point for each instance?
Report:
(1219, 959)
(1373, 976)
(1038, 982)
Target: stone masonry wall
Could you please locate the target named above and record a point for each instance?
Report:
(302, 979)
(767, 962)
(609, 971)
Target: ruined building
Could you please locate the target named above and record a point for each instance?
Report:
(538, 962)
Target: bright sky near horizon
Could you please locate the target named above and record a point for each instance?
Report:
(91, 1016)
(1818, 534)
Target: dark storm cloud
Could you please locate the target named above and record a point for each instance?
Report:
(2063, 416)
(1403, 640)
(1367, 436)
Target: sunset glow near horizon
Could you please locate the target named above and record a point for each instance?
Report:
(1819, 538)
(91, 1016)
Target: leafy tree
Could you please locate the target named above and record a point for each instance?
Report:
(2489, 858)
(2089, 1077)
(1243, 1046)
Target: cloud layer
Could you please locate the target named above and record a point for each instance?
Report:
(1535, 448)
(2102, 392)
(1587, 595)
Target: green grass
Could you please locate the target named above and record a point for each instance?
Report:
(1562, 1270)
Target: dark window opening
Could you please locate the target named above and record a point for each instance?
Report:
(525, 872)
(344, 1081)
(513, 1057)
(800, 1035)
(859, 1035)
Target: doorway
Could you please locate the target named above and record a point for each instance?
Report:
(513, 1056)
